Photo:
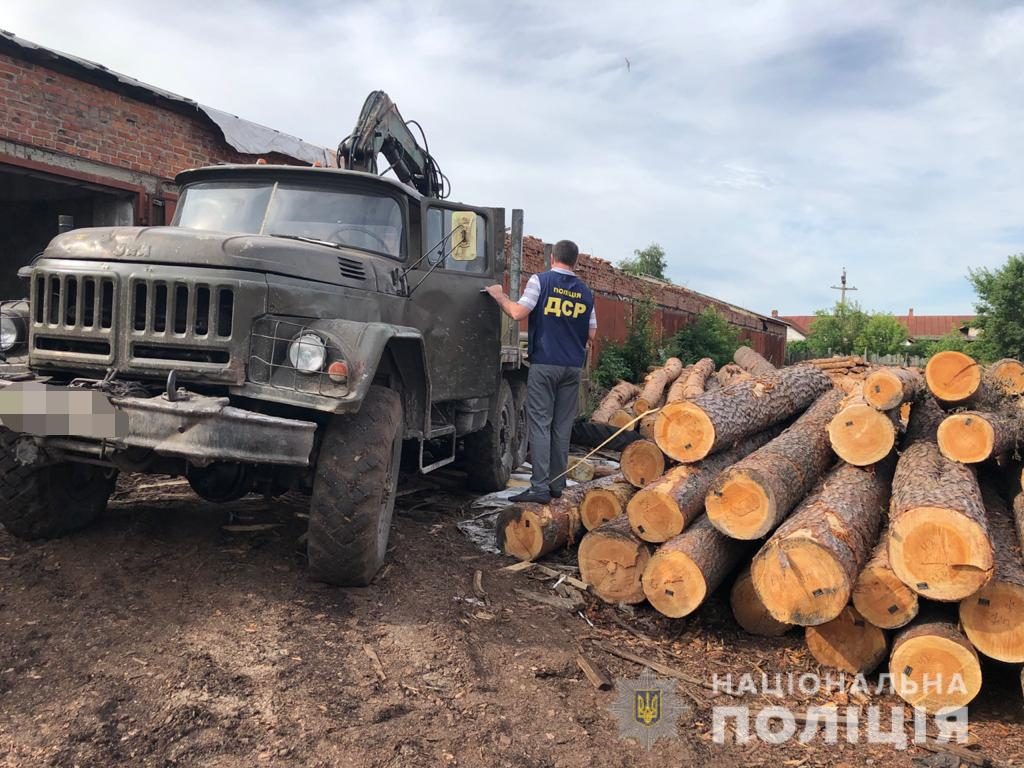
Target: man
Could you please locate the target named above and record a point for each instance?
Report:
(562, 324)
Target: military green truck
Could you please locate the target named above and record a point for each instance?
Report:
(292, 329)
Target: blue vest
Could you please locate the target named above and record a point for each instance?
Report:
(560, 322)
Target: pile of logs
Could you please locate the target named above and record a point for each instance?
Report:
(863, 505)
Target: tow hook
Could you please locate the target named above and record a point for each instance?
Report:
(173, 394)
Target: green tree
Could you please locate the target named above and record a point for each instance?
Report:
(710, 335)
(882, 334)
(953, 341)
(1000, 309)
(650, 262)
(836, 332)
(630, 359)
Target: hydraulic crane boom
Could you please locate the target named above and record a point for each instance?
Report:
(381, 130)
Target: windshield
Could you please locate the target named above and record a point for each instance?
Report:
(358, 220)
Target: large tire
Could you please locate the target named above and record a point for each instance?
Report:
(590, 435)
(522, 441)
(354, 491)
(490, 452)
(43, 502)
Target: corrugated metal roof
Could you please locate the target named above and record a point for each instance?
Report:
(243, 135)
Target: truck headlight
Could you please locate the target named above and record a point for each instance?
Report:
(10, 333)
(307, 353)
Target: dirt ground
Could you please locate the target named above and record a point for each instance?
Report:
(172, 634)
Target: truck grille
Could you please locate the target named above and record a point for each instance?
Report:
(74, 301)
(188, 309)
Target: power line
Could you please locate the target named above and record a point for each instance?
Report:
(843, 288)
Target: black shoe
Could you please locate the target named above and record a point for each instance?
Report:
(556, 494)
(531, 497)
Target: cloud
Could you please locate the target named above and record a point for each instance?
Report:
(765, 145)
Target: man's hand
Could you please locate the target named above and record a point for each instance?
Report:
(495, 291)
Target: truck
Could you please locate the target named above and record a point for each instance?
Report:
(307, 329)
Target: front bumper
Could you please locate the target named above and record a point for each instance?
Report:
(197, 428)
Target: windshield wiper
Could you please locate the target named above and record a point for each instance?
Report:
(304, 239)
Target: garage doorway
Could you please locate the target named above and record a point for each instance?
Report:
(31, 203)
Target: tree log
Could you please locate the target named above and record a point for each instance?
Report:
(605, 500)
(1007, 376)
(752, 362)
(617, 398)
(861, 434)
(849, 643)
(879, 595)
(686, 569)
(939, 544)
(642, 462)
(663, 508)
(954, 378)
(622, 417)
(693, 383)
(934, 667)
(612, 560)
(690, 430)
(730, 374)
(529, 531)
(806, 572)
(750, 612)
(925, 417)
(971, 437)
(993, 617)
(653, 393)
(580, 470)
(889, 388)
(749, 499)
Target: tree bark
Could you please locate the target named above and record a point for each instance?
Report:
(605, 500)
(642, 462)
(663, 508)
(612, 560)
(753, 363)
(748, 500)
(529, 531)
(993, 618)
(616, 399)
(806, 572)
(934, 667)
(889, 388)
(925, 417)
(686, 569)
(652, 395)
(750, 612)
(971, 437)
(1007, 375)
(690, 430)
(954, 378)
(848, 643)
(693, 382)
(860, 434)
(879, 595)
(939, 544)
(730, 374)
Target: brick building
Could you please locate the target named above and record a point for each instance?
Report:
(79, 140)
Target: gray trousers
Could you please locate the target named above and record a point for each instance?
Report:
(552, 393)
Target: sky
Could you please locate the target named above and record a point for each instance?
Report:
(764, 145)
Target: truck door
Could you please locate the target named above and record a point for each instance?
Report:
(462, 326)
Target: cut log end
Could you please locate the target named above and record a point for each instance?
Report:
(800, 582)
(523, 537)
(740, 506)
(994, 621)
(1008, 376)
(674, 584)
(848, 643)
(655, 516)
(684, 432)
(883, 389)
(750, 613)
(966, 437)
(883, 599)
(621, 418)
(952, 377)
(940, 553)
(935, 668)
(613, 565)
(862, 435)
(642, 462)
(599, 506)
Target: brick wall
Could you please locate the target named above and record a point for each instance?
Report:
(676, 307)
(44, 108)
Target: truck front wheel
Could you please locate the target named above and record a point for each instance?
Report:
(490, 452)
(354, 491)
(49, 500)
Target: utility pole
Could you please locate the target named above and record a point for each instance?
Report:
(843, 288)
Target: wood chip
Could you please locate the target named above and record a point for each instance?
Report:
(550, 600)
(597, 676)
(478, 585)
(375, 659)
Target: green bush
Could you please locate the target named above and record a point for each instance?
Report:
(710, 335)
(630, 360)
(612, 366)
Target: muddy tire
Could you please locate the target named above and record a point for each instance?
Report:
(490, 452)
(43, 502)
(354, 491)
(522, 442)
